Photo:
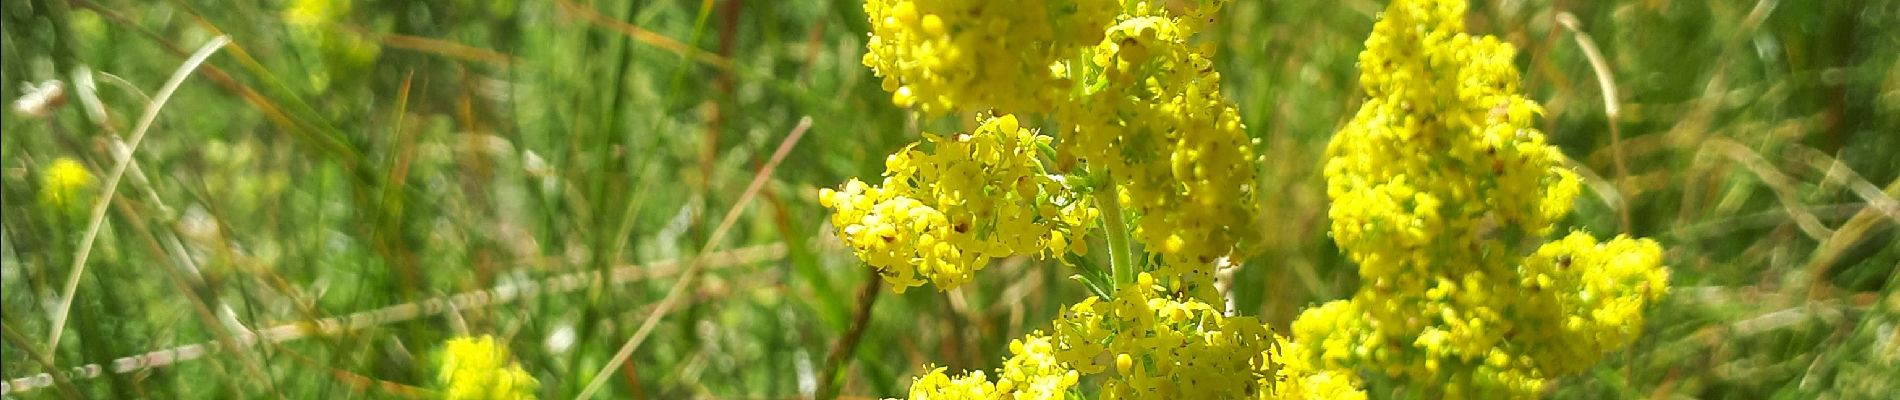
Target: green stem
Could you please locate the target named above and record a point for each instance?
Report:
(1119, 256)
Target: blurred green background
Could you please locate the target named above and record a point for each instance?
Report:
(384, 157)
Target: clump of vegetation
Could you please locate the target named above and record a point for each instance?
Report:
(1407, 199)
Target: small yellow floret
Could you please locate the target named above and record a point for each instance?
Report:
(64, 184)
(480, 368)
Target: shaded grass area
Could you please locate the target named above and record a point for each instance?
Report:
(342, 158)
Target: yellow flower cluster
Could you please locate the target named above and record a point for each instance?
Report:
(65, 185)
(1596, 310)
(479, 368)
(1032, 372)
(1163, 346)
(1146, 122)
(1301, 378)
(937, 385)
(1168, 347)
(1437, 184)
(1154, 118)
(1142, 104)
(939, 55)
(949, 204)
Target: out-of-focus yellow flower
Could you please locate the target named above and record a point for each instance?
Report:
(342, 52)
(315, 13)
(65, 185)
(480, 368)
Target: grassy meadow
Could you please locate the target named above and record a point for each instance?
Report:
(624, 192)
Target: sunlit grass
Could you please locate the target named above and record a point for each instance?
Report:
(295, 189)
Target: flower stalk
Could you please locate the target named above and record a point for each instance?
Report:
(1120, 256)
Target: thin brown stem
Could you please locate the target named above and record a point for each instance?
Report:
(497, 295)
(692, 270)
(1612, 109)
(52, 371)
(831, 380)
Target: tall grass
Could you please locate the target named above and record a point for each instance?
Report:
(484, 145)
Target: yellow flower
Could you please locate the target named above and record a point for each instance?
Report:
(1145, 120)
(938, 386)
(1153, 117)
(1436, 182)
(1034, 371)
(480, 368)
(315, 13)
(1300, 378)
(1173, 347)
(940, 55)
(65, 185)
(949, 204)
(343, 53)
(1163, 347)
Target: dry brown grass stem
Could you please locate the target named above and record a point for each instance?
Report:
(829, 381)
(685, 281)
(1835, 171)
(1609, 192)
(1780, 183)
(53, 375)
(1612, 109)
(439, 47)
(111, 187)
(645, 36)
(1855, 230)
(333, 326)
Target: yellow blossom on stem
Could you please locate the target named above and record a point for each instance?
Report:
(1439, 184)
(939, 55)
(1144, 125)
(1168, 346)
(1032, 372)
(1153, 117)
(949, 204)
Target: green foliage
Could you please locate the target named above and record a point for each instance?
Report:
(290, 181)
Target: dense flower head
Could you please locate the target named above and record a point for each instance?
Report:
(1149, 343)
(1300, 377)
(939, 55)
(1144, 124)
(1440, 187)
(1170, 346)
(1605, 286)
(1140, 102)
(937, 385)
(480, 368)
(1154, 118)
(1163, 344)
(1032, 372)
(949, 204)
